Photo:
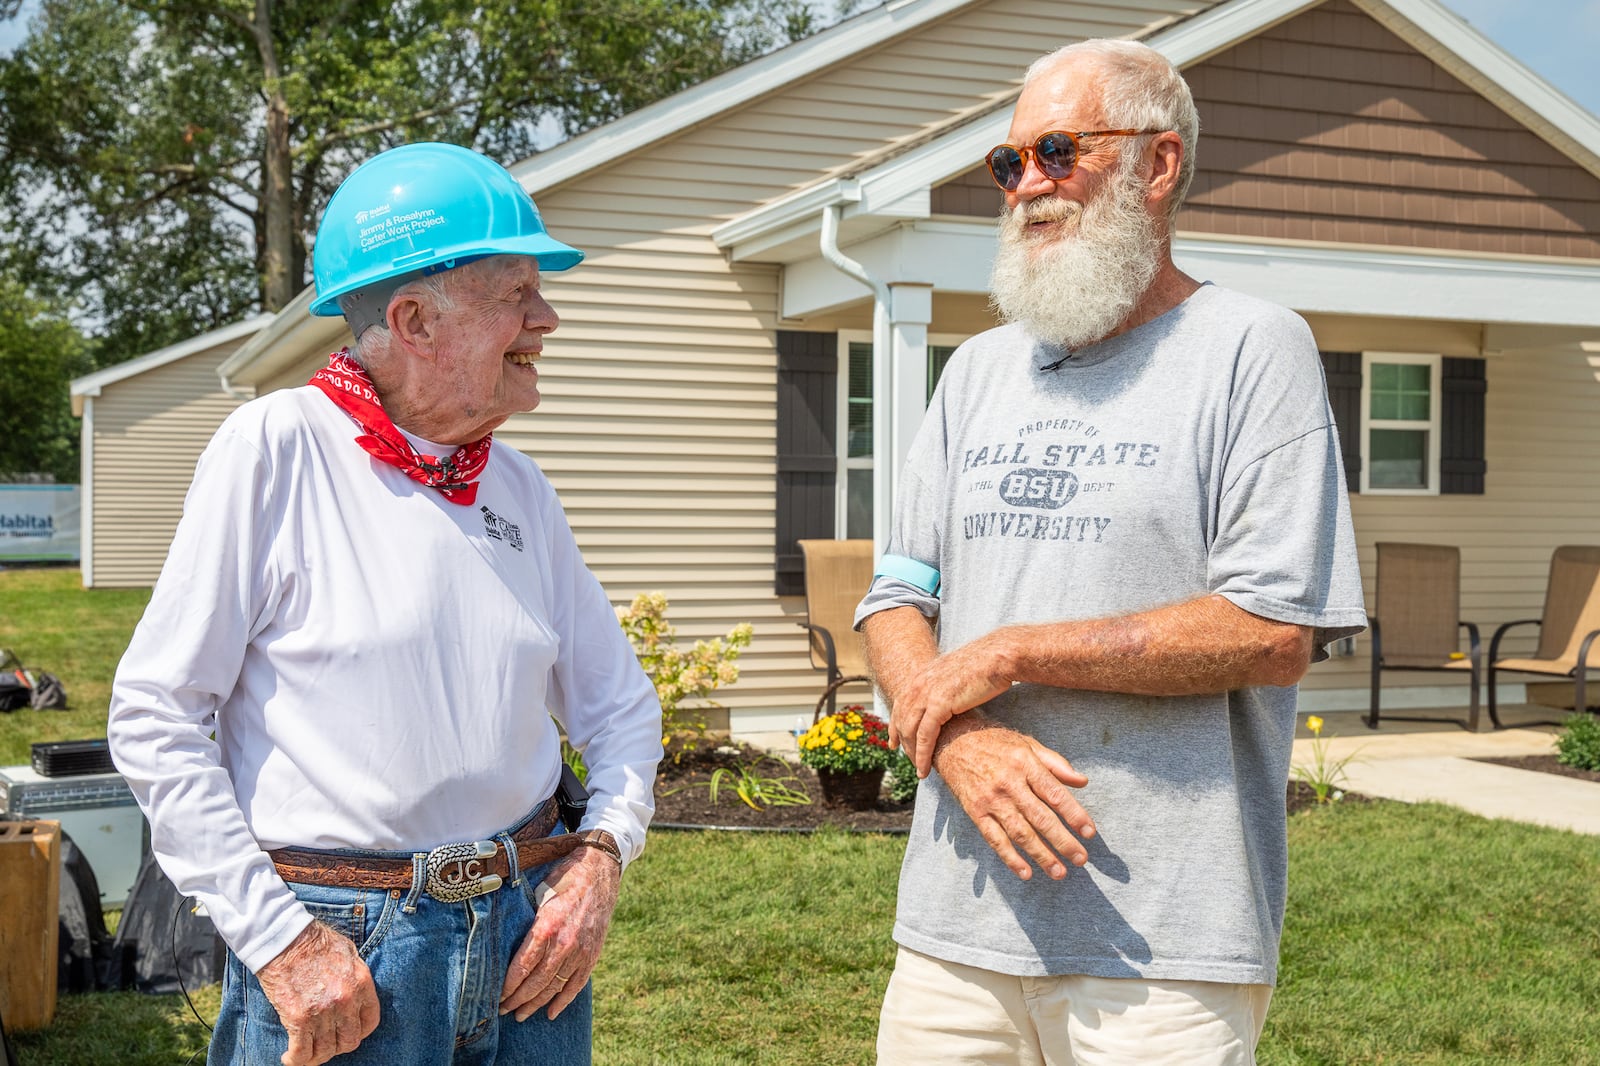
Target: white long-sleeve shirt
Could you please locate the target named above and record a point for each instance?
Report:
(337, 657)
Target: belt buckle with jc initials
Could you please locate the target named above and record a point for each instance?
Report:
(458, 871)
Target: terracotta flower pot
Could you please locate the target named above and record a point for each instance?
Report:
(856, 790)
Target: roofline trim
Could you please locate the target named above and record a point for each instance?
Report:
(695, 105)
(1188, 43)
(91, 384)
(1505, 74)
(892, 180)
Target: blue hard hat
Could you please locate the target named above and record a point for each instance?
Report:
(425, 207)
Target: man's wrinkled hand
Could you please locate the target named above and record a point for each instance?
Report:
(559, 953)
(323, 994)
(953, 683)
(1016, 791)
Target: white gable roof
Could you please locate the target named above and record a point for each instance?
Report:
(684, 110)
(880, 193)
(91, 384)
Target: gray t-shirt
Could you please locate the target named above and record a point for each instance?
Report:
(1193, 455)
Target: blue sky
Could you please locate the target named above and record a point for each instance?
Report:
(1557, 39)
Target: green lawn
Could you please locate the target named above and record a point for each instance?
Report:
(1415, 935)
(52, 623)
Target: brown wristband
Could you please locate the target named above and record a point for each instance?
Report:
(601, 840)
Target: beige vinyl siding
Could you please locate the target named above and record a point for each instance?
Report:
(657, 424)
(149, 430)
(1542, 490)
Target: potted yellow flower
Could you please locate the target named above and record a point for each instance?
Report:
(849, 750)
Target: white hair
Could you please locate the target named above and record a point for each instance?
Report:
(435, 288)
(1139, 89)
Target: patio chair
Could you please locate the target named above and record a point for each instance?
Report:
(837, 575)
(1418, 623)
(1567, 629)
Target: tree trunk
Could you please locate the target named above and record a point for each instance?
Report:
(279, 281)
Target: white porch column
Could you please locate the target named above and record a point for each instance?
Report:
(911, 312)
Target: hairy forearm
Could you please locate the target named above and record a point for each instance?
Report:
(1200, 646)
(899, 643)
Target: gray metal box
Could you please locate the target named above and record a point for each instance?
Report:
(96, 810)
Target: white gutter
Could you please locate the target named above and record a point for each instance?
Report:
(883, 472)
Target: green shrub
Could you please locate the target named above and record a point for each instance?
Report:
(902, 778)
(1579, 746)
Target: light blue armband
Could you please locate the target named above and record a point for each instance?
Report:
(910, 571)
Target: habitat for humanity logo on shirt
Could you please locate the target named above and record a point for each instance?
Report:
(1047, 474)
(499, 529)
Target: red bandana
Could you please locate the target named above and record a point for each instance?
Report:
(348, 385)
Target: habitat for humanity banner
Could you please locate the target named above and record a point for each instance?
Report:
(38, 522)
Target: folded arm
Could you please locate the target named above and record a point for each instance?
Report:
(1199, 646)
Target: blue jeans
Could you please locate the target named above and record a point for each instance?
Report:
(438, 967)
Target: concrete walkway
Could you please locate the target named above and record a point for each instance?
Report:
(1415, 762)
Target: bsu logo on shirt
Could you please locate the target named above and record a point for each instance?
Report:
(499, 529)
(1048, 489)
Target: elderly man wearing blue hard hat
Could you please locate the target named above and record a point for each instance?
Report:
(340, 710)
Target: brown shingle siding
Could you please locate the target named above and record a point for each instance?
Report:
(1329, 127)
(1348, 134)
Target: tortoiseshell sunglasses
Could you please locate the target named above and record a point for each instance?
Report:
(1056, 153)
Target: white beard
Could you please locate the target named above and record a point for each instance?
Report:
(1075, 284)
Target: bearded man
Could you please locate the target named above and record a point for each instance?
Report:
(1126, 513)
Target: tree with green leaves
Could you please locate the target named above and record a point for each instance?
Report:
(39, 353)
(170, 158)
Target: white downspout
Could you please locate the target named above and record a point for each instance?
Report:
(883, 451)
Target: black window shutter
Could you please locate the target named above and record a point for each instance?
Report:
(1343, 372)
(808, 380)
(1461, 417)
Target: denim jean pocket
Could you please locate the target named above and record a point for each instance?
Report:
(359, 915)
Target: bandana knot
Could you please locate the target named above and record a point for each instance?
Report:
(455, 476)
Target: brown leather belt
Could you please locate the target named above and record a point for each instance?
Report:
(451, 871)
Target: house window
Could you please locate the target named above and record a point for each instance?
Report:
(854, 510)
(1400, 407)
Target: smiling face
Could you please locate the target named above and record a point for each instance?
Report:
(489, 339)
(1065, 98)
(1075, 256)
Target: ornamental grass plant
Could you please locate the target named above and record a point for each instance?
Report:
(852, 740)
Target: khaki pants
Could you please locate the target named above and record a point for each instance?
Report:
(955, 1015)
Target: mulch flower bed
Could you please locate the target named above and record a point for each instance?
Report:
(1544, 764)
(683, 795)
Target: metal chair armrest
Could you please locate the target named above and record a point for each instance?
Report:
(1494, 642)
(1376, 636)
(1474, 644)
(827, 647)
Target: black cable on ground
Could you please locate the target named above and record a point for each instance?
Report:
(177, 967)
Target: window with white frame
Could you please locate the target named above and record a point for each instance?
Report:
(854, 486)
(1400, 438)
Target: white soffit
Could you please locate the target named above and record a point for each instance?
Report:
(956, 256)
(1400, 283)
